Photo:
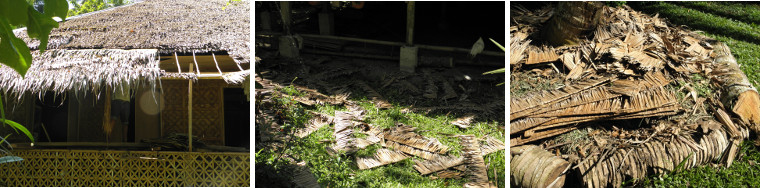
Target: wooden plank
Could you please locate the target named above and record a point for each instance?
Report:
(409, 23)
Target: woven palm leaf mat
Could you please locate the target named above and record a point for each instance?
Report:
(633, 97)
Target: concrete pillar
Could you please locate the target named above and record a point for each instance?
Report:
(326, 23)
(288, 46)
(408, 58)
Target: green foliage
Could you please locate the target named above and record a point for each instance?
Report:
(94, 5)
(17, 13)
(228, 4)
(501, 70)
(614, 3)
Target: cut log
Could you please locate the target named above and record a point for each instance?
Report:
(533, 166)
(739, 96)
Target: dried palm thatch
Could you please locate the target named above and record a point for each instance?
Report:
(410, 150)
(403, 134)
(658, 156)
(477, 172)
(344, 132)
(442, 162)
(303, 177)
(83, 70)
(447, 174)
(627, 71)
(121, 46)
(591, 101)
(378, 99)
(318, 121)
(464, 122)
(169, 26)
(382, 157)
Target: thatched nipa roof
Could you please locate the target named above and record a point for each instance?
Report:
(199, 26)
(122, 45)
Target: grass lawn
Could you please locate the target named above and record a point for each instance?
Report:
(342, 171)
(736, 25)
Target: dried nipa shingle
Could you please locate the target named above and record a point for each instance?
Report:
(476, 172)
(315, 123)
(442, 162)
(403, 134)
(464, 122)
(344, 133)
(382, 157)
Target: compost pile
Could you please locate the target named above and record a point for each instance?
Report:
(633, 97)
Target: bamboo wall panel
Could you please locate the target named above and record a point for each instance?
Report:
(86, 168)
(208, 109)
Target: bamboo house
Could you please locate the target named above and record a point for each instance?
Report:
(185, 66)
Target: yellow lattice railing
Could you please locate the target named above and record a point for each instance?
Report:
(86, 168)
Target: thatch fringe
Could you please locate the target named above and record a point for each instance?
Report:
(83, 70)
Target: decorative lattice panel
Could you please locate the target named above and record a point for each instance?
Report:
(87, 168)
(208, 109)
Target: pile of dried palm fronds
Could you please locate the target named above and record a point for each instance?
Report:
(629, 67)
(550, 113)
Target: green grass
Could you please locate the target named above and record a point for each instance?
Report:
(737, 11)
(342, 171)
(702, 21)
(735, 25)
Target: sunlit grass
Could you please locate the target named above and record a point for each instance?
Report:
(341, 171)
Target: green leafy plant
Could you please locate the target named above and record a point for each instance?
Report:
(501, 70)
(16, 13)
(615, 3)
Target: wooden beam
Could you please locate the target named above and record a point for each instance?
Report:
(79, 144)
(389, 43)
(190, 110)
(409, 23)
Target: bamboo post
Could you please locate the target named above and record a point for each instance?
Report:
(409, 23)
(190, 110)
(216, 63)
(176, 60)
